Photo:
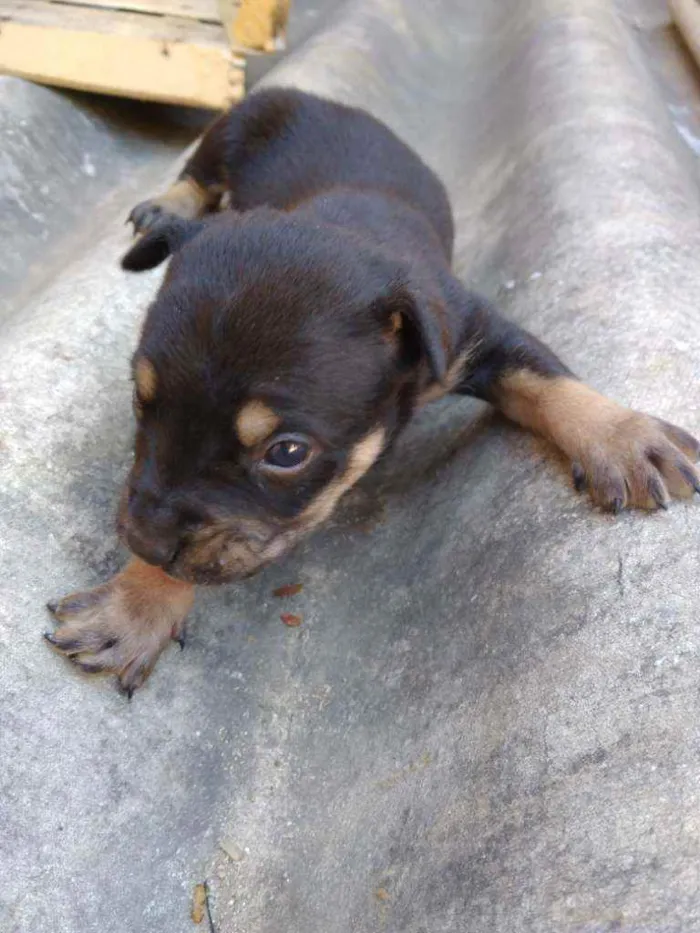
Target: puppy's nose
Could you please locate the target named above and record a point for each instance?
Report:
(158, 549)
(152, 528)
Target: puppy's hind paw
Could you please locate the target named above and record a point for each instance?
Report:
(145, 215)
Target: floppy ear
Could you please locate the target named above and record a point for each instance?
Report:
(420, 323)
(166, 237)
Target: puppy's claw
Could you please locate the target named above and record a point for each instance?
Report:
(616, 506)
(87, 668)
(51, 638)
(579, 477)
(179, 634)
(658, 493)
(127, 692)
(690, 476)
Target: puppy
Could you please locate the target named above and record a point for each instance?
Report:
(294, 335)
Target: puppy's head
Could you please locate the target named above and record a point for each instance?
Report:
(275, 364)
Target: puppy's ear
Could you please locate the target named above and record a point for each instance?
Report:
(419, 324)
(165, 237)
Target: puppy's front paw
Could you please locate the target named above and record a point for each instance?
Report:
(634, 460)
(122, 626)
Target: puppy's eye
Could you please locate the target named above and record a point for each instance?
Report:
(287, 453)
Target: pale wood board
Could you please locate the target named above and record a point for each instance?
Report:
(686, 14)
(251, 25)
(227, 15)
(122, 54)
(206, 11)
(66, 16)
(259, 24)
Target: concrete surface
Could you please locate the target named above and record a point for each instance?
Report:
(489, 717)
(64, 157)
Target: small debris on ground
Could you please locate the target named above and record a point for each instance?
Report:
(199, 903)
(382, 894)
(200, 906)
(234, 852)
(290, 619)
(289, 589)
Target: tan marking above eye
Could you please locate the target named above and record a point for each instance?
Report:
(146, 380)
(255, 421)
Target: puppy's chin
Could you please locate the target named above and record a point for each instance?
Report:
(230, 557)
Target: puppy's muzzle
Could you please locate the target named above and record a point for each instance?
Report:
(196, 548)
(232, 550)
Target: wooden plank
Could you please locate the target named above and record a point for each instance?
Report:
(228, 10)
(686, 14)
(251, 26)
(127, 65)
(206, 11)
(110, 22)
(259, 24)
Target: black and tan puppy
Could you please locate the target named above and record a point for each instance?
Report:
(293, 337)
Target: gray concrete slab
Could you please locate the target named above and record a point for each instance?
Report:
(64, 158)
(489, 717)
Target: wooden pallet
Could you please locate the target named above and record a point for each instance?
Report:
(176, 51)
(686, 14)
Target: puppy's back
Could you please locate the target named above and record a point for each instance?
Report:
(284, 146)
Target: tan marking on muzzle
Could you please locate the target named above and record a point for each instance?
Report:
(255, 421)
(146, 380)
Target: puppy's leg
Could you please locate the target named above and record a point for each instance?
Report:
(123, 625)
(198, 189)
(624, 457)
